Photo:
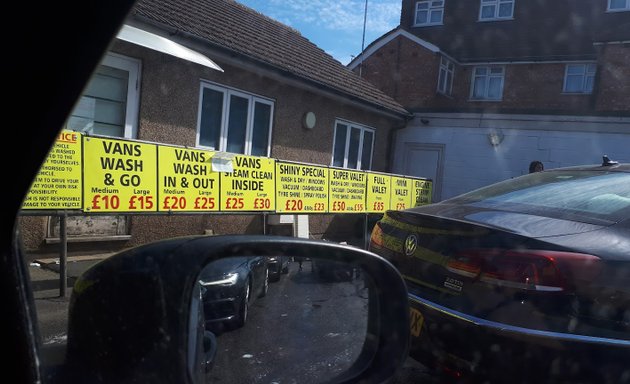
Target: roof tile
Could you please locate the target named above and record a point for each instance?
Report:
(233, 26)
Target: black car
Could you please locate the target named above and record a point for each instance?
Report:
(530, 274)
(229, 286)
(277, 265)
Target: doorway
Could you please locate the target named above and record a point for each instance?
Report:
(427, 161)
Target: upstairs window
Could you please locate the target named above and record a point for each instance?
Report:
(109, 103)
(619, 5)
(429, 12)
(579, 78)
(445, 79)
(353, 146)
(487, 83)
(496, 9)
(234, 121)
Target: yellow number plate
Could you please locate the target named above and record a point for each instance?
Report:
(416, 320)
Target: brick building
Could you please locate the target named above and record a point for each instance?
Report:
(495, 84)
(271, 71)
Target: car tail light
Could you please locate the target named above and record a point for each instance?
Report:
(450, 372)
(531, 270)
(377, 235)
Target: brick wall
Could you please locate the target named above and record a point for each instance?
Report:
(613, 82)
(409, 72)
(528, 88)
(405, 71)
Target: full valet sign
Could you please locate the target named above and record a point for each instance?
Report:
(378, 192)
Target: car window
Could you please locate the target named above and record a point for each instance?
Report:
(597, 194)
(478, 147)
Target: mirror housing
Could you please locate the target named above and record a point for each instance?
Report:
(130, 314)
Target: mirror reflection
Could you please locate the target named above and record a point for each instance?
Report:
(281, 319)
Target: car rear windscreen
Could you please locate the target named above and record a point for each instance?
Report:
(595, 194)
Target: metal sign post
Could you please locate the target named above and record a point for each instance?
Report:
(366, 238)
(63, 254)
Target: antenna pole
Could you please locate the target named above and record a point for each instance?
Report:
(363, 39)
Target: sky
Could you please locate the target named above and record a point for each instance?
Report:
(336, 26)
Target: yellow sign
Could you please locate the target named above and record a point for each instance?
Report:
(58, 183)
(98, 174)
(121, 176)
(416, 322)
(401, 193)
(186, 181)
(421, 192)
(378, 192)
(250, 186)
(301, 188)
(346, 191)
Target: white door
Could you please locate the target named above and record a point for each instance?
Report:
(425, 160)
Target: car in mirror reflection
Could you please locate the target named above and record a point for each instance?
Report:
(278, 266)
(298, 330)
(229, 286)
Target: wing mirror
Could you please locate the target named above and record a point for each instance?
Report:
(204, 309)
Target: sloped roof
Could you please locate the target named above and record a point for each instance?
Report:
(377, 44)
(229, 25)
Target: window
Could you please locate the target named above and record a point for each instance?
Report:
(487, 83)
(445, 79)
(109, 104)
(579, 78)
(429, 12)
(234, 121)
(591, 194)
(496, 9)
(619, 5)
(353, 146)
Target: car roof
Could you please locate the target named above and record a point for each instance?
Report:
(619, 167)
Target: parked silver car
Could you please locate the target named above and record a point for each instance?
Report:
(229, 286)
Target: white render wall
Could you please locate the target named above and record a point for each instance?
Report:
(470, 161)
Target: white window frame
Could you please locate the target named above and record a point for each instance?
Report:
(622, 9)
(586, 74)
(432, 6)
(489, 75)
(133, 67)
(496, 4)
(252, 100)
(349, 125)
(447, 68)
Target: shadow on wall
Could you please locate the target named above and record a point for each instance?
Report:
(350, 228)
(280, 230)
(47, 251)
(234, 224)
(255, 226)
